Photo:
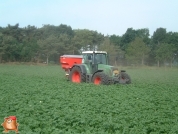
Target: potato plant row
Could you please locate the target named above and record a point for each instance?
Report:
(45, 102)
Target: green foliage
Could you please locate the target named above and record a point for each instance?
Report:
(45, 102)
(137, 51)
(86, 39)
(113, 50)
(172, 38)
(116, 40)
(131, 34)
(48, 30)
(165, 52)
(159, 36)
(48, 46)
(32, 44)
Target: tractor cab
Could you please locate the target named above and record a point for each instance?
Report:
(94, 58)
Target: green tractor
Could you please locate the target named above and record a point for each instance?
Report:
(92, 66)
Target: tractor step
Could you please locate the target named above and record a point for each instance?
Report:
(88, 78)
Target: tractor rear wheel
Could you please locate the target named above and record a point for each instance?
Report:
(76, 75)
(124, 78)
(100, 78)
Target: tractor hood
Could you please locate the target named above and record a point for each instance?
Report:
(109, 70)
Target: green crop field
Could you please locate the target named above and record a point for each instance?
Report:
(46, 103)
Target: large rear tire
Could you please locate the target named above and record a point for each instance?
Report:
(124, 78)
(100, 78)
(76, 75)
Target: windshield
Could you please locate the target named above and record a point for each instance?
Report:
(100, 58)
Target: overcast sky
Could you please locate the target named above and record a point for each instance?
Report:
(104, 16)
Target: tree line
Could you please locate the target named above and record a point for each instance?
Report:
(46, 44)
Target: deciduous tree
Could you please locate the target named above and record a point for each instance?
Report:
(137, 51)
(165, 52)
(114, 51)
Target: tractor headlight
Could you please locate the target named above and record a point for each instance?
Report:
(115, 73)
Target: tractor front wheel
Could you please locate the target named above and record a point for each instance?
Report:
(76, 75)
(100, 78)
(124, 78)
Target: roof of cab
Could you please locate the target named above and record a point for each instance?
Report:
(86, 52)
